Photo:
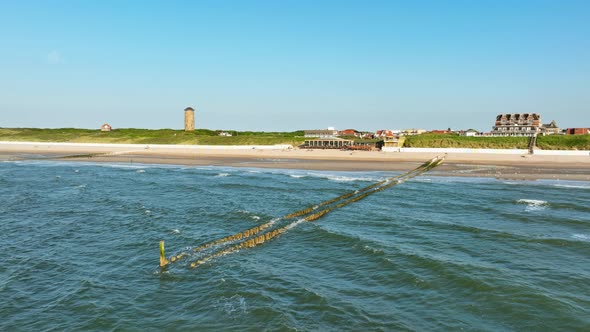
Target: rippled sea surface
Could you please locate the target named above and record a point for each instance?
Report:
(80, 251)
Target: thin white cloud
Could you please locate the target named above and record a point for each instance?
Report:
(54, 58)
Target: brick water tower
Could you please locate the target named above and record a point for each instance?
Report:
(189, 119)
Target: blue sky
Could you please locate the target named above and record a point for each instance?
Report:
(288, 65)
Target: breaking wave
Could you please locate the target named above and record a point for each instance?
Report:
(584, 237)
(571, 186)
(533, 204)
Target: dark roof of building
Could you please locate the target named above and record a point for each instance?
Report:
(517, 116)
(188, 109)
(552, 124)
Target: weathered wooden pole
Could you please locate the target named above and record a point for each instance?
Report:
(163, 260)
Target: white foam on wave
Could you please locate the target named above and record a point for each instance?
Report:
(373, 250)
(140, 171)
(452, 179)
(536, 202)
(533, 204)
(295, 223)
(571, 186)
(123, 166)
(583, 237)
(233, 305)
(273, 221)
(255, 217)
(221, 175)
(347, 178)
(202, 168)
(330, 175)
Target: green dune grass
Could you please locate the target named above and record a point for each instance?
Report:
(553, 142)
(456, 141)
(564, 142)
(148, 136)
(295, 138)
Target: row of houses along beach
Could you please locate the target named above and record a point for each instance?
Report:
(506, 125)
(524, 125)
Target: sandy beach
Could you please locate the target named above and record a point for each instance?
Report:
(498, 165)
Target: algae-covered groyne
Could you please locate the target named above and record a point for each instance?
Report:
(260, 234)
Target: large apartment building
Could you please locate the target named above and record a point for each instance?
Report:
(517, 125)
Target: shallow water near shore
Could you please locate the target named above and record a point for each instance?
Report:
(80, 251)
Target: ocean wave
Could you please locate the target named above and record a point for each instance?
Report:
(571, 186)
(349, 179)
(295, 223)
(453, 179)
(583, 237)
(330, 175)
(533, 204)
(221, 175)
(343, 178)
(373, 250)
(140, 171)
(124, 166)
(273, 221)
(233, 305)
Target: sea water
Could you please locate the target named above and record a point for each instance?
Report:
(79, 248)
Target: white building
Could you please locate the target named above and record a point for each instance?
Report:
(331, 132)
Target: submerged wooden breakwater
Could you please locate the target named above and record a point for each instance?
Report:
(256, 236)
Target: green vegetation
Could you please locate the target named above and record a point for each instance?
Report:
(564, 142)
(456, 141)
(552, 142)
(211, 137)
(147, 136)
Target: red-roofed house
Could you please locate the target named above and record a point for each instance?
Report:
(349, 132)
(106, 127)
(384, 133)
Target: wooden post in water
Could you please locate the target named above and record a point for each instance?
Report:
(163, 260)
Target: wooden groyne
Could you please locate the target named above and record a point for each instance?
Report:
(257, 235)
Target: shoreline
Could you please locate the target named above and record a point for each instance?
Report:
(496, 165)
